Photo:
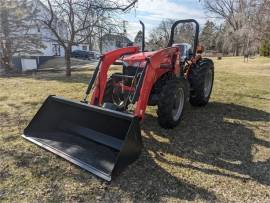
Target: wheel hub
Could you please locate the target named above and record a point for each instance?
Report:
(208, 80)
(179, 104)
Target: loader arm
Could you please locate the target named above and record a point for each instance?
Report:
(107, 60)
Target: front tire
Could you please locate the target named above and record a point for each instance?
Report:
(172, 102)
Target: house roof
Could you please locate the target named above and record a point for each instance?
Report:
(120, 37)
(42, 4)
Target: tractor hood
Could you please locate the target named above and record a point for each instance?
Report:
(139, 57)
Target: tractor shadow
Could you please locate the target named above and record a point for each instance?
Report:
(213, 135)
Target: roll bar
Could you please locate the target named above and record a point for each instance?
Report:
(196, 39)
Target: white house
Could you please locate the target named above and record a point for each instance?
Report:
(53, 48)
(109, 41)
(47, 37)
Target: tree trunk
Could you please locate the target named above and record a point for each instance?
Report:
(68, 61)
(237, 47)
(7, 64)
(7, 56)
(237, 50)
(91, 46)
(5, 42)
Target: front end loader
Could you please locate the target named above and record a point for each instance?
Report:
(101, 134)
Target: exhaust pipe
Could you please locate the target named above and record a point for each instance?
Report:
(143, 37)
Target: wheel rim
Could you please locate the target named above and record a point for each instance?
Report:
(208, 80)
(179, 104)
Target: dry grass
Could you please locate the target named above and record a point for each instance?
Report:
(218, 153)
(59, 63)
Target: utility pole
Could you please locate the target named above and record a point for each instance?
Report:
(124, 27)
(100, 35)
(100, 42)
(124, 34)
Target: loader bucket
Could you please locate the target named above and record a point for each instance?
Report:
(101, 141)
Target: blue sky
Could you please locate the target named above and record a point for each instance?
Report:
(151, 12)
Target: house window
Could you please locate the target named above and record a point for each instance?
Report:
(84, 48)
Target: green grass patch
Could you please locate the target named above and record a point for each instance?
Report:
(218, 153)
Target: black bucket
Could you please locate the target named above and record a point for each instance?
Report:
(101, 141)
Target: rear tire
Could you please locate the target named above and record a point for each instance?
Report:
(201, 81)
(172, 101)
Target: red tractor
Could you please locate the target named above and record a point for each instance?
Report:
(103, 135)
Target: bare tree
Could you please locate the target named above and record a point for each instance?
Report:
(159, 37)
(208, 35)
(106, 25)
(246, 21)
(17, 21)
(73, 21)
(260, 17)
(229, 10)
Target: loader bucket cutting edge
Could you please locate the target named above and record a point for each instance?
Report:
(98, 140)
